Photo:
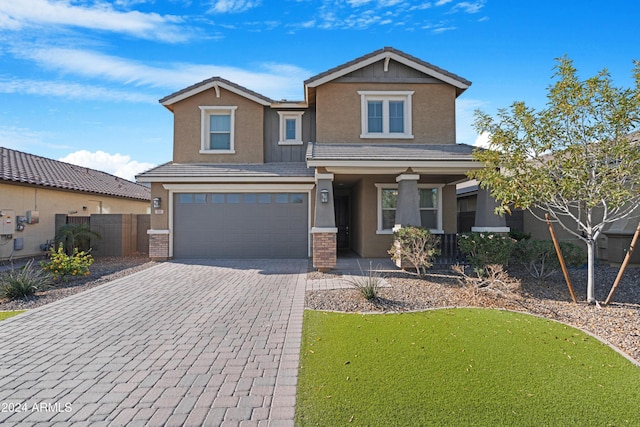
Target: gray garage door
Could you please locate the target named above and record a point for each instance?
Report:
(240, 225)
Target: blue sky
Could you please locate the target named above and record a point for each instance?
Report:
(80, 79)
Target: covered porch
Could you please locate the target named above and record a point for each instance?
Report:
(364, 192)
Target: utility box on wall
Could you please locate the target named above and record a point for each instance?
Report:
(33, 217)
(7, 221)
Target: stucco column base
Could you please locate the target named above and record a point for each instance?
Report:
(324, 248)
(158, 245)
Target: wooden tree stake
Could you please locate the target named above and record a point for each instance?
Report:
(623, 267)
(560, 258)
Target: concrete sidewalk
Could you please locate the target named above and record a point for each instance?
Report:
(194, 343)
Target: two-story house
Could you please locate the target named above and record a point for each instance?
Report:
(371, 147)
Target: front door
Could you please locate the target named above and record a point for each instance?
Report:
(341, 204)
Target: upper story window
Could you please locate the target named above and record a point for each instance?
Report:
(218, 130)
(386, 114)
(290, 127)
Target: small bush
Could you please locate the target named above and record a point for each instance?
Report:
(484, 249)
(367, 285)
(22, 282)
(519, 235)
(417, 246)
(540, 259)
(61, 265)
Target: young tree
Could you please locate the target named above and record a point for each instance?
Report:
(574, 160)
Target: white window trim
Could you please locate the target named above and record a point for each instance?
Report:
(295, 115)
(205, 112)
(385, 97)
(380, 187)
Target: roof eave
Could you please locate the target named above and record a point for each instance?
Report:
(460, 83)
(214, 83)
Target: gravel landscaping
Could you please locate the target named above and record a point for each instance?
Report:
(618, 323)
(103, 271)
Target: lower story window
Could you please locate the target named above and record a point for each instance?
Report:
(430, 207)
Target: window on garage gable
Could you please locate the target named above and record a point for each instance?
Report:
(386, 114)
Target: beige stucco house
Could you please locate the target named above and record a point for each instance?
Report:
(34, 189)
(371, 147)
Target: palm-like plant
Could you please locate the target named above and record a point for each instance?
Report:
(76, 236)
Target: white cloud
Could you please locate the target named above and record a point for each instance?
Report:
(482, 140)
(469, 7)
(18, 14)
(443, 2)
(270, 79)
(356, 3)
(233, 6)
(17, 138)
(443, 29)
(71, 90)
(115, 164)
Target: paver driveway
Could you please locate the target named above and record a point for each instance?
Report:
(194, 343)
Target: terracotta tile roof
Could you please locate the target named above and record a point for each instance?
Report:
(389, 152)
(228, 171)
(16, 166)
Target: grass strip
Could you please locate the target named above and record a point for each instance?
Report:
(457, 367)
(7, 314)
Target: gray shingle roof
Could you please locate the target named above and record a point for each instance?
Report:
(16, 166)
(390, 152)
(211, 80)
(391, 50)
(228, 170)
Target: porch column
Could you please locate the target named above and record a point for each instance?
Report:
(408, 204)
(486, 218)
(324, 229)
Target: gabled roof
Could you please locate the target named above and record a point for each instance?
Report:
(386, 54)
(228, 172)
(19, 167)
(216, 83)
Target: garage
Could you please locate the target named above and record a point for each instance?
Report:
(241, 225)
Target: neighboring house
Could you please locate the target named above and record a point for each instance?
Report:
(372, 147)
(612, 244)
(34, 189)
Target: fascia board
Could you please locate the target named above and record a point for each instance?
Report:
(213, 179)
(426, 70)
(221, 187)
(210, 85)
(424, 164)
(346, 70)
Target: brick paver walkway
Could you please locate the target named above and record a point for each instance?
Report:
(198, 343)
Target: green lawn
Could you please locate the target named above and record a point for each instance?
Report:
(460, 367)
(7, 314)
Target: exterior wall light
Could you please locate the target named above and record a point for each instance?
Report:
(157, 202)
(324, 196)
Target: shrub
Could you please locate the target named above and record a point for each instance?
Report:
(367, 285)
(22, 282)
(483, 249)
(415, 245)
(76, 236)
(61, 265)
(519, 235)
(540, 259)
